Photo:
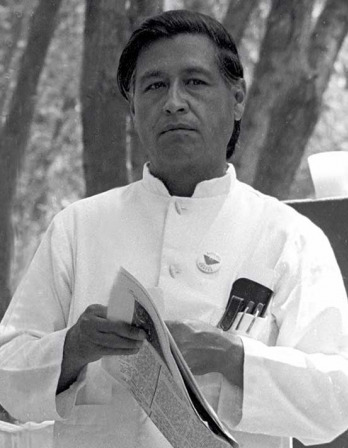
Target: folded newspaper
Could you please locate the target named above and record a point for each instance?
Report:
(158, 376)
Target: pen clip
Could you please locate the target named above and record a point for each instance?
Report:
(248, 310)
(233, 306)
(256, 313)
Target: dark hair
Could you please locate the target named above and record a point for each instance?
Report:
(173, 23)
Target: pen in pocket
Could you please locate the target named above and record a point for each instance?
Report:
(256, 313)
(248, 309)
(233, 307)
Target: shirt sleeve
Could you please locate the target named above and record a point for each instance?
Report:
(299, 388)
(32, 334)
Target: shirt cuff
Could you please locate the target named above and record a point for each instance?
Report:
(65, 401)
(252, 378)
(230, 404)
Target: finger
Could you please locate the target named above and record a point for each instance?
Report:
(172, 324)
(122, 329)
(120, 352)
(113, 341)
(175, 327)
(99, 352)
(180, 333)
(94, 321)
(96, 310)
(91, 319)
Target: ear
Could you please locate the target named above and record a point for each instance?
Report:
(240, 96)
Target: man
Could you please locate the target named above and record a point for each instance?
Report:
(182, 76)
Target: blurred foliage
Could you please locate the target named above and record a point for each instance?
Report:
(51, 176)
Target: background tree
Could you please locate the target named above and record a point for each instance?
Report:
(51, 174)
(104, 111)
(13, 23)
(237, 17)
(15, 130)
(284, 103)
(103, 108)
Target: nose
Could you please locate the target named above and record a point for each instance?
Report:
(175, 100)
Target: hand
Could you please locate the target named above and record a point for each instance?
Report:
(207, 349)
(94, 336)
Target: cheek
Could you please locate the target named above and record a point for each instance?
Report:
(141, 121)
(145, 116)
(227, 118)
(220, 126)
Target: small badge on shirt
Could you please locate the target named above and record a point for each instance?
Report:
(209, 262)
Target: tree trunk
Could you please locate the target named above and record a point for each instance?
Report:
(104, 110)
(138, 11)
(16, 24)
(299, 111)
(237, 17)
(141, 9)
(15, 132)
(280, 52)
(285, 98)
(202, 6)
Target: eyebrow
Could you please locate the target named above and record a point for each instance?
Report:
(150, 74)
(197, 70)
(187, 71)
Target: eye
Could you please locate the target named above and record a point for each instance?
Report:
(196, 82)
(154, 86)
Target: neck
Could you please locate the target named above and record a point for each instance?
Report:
(183, 182)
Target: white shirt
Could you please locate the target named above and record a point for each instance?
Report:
(295, 377)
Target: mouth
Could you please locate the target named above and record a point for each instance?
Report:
(176, 128)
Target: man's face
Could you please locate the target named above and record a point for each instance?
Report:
(182, 107)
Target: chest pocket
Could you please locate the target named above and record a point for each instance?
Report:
(248, 309)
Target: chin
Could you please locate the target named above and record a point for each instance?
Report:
(180, 157)
(181, 148)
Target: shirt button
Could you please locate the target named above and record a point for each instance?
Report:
(174, 270)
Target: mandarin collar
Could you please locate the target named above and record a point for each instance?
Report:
(205, 189)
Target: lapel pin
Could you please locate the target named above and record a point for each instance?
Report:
(209, 262)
